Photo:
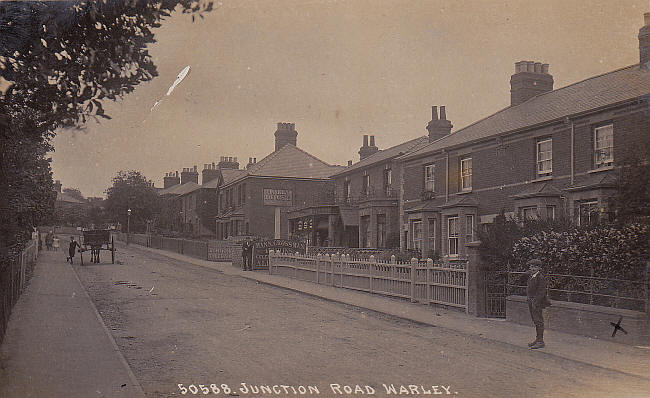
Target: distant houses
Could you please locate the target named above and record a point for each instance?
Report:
(551, 153)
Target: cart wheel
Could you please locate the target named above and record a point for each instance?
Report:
(112, 251)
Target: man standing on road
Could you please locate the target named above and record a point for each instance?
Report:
(537, 300)
(246, 250)
(71, 250)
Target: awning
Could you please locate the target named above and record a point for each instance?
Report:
(350, 217)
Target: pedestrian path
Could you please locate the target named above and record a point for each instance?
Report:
(57, 344)
(599, 353)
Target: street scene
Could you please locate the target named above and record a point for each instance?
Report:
(397, 198)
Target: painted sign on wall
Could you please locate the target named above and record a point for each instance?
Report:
(278, 197)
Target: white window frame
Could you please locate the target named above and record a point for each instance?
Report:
(452, 236)
(469, 228)
(429, 177)
(416, 226)
(432, 234)
(606, 143)
(347, 187)
(544, 162)
(366, 184)
(388, 180)
(533, 209)
(550, 212)
(589, 203)
(466, 173)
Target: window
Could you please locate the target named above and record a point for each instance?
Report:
(366, 184)
(381, 230)
(466, 174)
(544, 157)
(243, 193)
(529, 213)
(388, 181)
(469, 228)
(588, 212)
(429, 179)
(550, 213)
(347, 190)
(432, 235)
(603, 146)
(452, 233)
(416, 227)
(365, 231)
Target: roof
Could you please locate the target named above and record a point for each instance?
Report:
(545, 189)
(388, 153)
(289, 161)
(596, 92)
(64, 197)
(180, 189)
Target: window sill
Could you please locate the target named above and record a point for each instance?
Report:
(544, 178)
(598, 170)
(464, 192)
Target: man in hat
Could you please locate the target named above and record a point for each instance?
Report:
(537, 300)
(71, 249)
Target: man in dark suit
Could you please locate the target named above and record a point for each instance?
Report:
(537, 300)
(247, 251)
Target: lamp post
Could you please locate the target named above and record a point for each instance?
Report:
(128, 225)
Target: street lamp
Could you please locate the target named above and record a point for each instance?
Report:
(128, 225)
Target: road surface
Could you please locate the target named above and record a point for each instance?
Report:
(188, 329)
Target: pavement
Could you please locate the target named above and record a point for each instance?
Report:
(58, 346)
(56, 343)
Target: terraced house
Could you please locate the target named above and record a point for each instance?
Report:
(551, 153)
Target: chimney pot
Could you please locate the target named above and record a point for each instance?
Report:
(365, 140)
(443, 113)
(349, 163)
(646, 18)
(254, 160)
(434, 113)
(538, 67)
(372, 140)
(545, 69)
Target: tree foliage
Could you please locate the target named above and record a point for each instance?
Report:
(74, 193)
(132, 190)
(60, 61)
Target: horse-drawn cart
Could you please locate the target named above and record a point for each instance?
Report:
(97, 240)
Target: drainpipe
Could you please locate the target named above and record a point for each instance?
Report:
(446, 176)
(569, 121)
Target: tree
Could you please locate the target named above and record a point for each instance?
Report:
(60, 61)
(74, 193)
(132, 190)
(632, 199)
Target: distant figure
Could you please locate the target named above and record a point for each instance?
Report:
(247, 254)
(537, 300)
(72, 248)
(55, 243)
(49, 240)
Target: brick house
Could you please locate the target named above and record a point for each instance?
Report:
(551, 153)
(178, 205)
(255, 201)
(363, 210)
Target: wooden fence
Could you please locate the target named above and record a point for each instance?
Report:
(423, 281)
(205, 250)
(12, 280)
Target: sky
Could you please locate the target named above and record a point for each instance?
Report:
(338, 70)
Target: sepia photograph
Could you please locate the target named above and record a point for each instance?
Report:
(332, 198)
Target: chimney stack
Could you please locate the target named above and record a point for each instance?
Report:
(285, 134)
(367, 150)
(644, 42)
(251, 163)
(189, 174)
(530, 79)
(209, 173)
(438, 127)
(171, 179)
(228, 162)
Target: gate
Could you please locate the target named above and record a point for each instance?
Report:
(261, 250)
(496, 290)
